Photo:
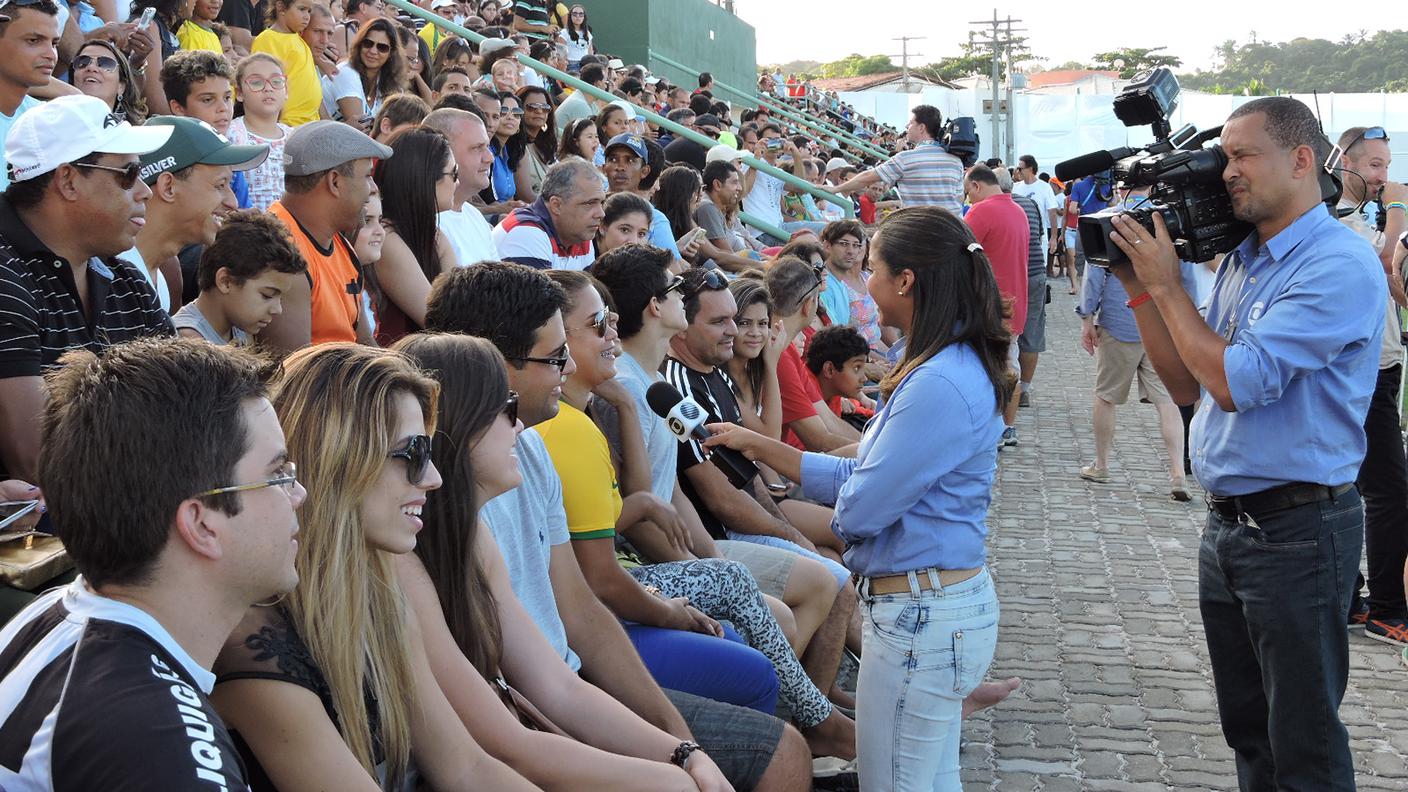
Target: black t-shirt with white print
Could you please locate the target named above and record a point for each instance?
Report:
(96, 694)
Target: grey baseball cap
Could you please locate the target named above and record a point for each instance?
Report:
(323, 145)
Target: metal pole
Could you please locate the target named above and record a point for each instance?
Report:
(655, 118)
(1011, 106)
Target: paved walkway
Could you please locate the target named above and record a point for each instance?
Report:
(1098, 586)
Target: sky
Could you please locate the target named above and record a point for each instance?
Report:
(1060, 30)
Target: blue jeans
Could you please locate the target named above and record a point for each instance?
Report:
(838, 571)
(1273, 591)
(924, 653)
(723, 669)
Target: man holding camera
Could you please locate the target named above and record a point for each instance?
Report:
(1285, 364)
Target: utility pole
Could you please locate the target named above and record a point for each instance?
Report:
(999, 43)
(905, 55)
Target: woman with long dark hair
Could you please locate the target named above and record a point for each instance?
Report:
(539, 131)
(577, 35)
(416, 182)
(626, 221)
(677, 194)
(756, 350)
(508, 148)
(100, 69)
(912, 505)
(417, 52)
(453, 52)
(375, 69)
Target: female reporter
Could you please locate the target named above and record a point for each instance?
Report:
(911, 506)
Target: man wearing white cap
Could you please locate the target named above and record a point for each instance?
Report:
(432, 33)
(72, 165)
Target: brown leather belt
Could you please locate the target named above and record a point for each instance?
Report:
(899, 584)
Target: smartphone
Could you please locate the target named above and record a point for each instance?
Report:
(774, 143)
(10, 511)
(147, 16)
(696, 235)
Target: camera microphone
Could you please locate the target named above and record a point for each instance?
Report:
(686, 418)
(1094, 162)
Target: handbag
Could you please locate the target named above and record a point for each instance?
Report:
(30, 561)
(528, 714)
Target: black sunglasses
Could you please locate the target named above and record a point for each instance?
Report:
(381, 46)
(674, 285)
(417, 456)
(127, 174)
(711, 281)
(560, 362)
(511, 408)
(105, 62)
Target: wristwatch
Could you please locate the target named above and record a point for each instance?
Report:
(681, 755)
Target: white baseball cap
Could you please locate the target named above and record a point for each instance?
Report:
(439, 4)
(70, 128)
(838, 163)
(723, 153)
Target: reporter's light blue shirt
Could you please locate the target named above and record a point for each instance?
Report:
(917, 493)
(1304, 317)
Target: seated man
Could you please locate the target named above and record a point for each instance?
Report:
(529, 525)
(166, 572)
(557, 230)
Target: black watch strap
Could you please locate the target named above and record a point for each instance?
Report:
(681, 754)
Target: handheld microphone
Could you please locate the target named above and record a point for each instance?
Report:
(686, 418)
(1094, 162)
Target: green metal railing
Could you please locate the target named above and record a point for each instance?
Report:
(655, 118)
(777, 105)
(814, 124)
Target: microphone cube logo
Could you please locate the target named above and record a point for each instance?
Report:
(690, 411)
(677, 427)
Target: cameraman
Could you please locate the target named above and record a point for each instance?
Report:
(1285, 362)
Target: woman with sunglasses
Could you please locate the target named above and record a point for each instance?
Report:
(577, 35)
(416, 182)
(100, 70)
(329, 688)
(375, 69)
(539, 131)
(474, 630)
(508, 148)
(912, 505)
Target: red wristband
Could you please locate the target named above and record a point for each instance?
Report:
(1138, 301)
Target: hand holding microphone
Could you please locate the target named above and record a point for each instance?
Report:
(686, 421)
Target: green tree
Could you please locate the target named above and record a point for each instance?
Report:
(1129, 61)
(1358, 63)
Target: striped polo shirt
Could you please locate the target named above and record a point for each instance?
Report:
(41, 317)
(925, 175)
(534, 12)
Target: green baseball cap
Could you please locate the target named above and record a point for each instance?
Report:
(194, 142)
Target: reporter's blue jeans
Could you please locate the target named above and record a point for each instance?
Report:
(924, 653)
(723, 669)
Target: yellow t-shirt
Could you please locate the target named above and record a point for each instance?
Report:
(432, 34)
(305, 91)
(590, 495)
(194, 37)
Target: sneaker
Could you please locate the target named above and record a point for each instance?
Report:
(1390, 631)
(1009, 436)
(1358, 613)
(1096, 474)
(830, 774)
(1025, 400)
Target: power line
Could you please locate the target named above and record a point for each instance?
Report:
(999, 44)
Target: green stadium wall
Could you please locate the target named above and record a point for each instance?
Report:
(696, 33)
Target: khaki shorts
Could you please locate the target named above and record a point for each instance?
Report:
(770, 566)
(1117, 363)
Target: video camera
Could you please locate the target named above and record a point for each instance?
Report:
(960, 138)
(1185, 177)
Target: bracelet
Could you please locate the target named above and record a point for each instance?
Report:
(681, 755)
(1396, 205)
(1138, 301)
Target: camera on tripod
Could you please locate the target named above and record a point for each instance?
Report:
(1184, 176)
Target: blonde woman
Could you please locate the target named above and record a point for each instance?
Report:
(330, 688)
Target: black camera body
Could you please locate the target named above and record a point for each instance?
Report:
(960, 138)
(1185, 179)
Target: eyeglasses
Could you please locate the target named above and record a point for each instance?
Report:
(511, 407)
(127, 174)
(417, 456)
(1372, 133)
(105, 62)
(845, 245)
(518, 111)
(538, 107)
(381, 46)
(286, 476)
(559, 362)
(453, 173)
(579, 13)
(599, 322)
(261, 84)
(711, 281)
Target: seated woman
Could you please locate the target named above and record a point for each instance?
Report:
(475, 631)
(416, 182)
(375, 69)
(330, 688)
(100, 70)
(625, 221)
(665, 605)
(678, 193)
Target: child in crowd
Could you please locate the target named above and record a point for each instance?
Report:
(227, 42)
(836, 356)
(370, 237)
(196, 33)
(264, 90)
(287, 19)
(197, 85)
(243, 276)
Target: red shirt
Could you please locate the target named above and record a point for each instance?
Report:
(867, 209)
(799, 393)
(1001, 228)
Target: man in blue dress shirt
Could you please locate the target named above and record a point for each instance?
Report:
(1284, 365)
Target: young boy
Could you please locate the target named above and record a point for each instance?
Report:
(197, 84)
(836, 356)
(243, 276)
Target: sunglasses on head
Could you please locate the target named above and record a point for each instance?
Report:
(710, 281)
(105, 62)
(126, 175)
(511, 407)
(417, 456)
(1372, 133)
(380, 46)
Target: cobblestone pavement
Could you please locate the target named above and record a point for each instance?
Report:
(1098, 587)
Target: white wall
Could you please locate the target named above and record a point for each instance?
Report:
(1056, 127)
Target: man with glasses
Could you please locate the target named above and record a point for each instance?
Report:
(1383, 477)
(167, 479)
(846, 298)
(29, 40)
(73, 166)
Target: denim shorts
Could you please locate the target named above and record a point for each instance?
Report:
(741, 741)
